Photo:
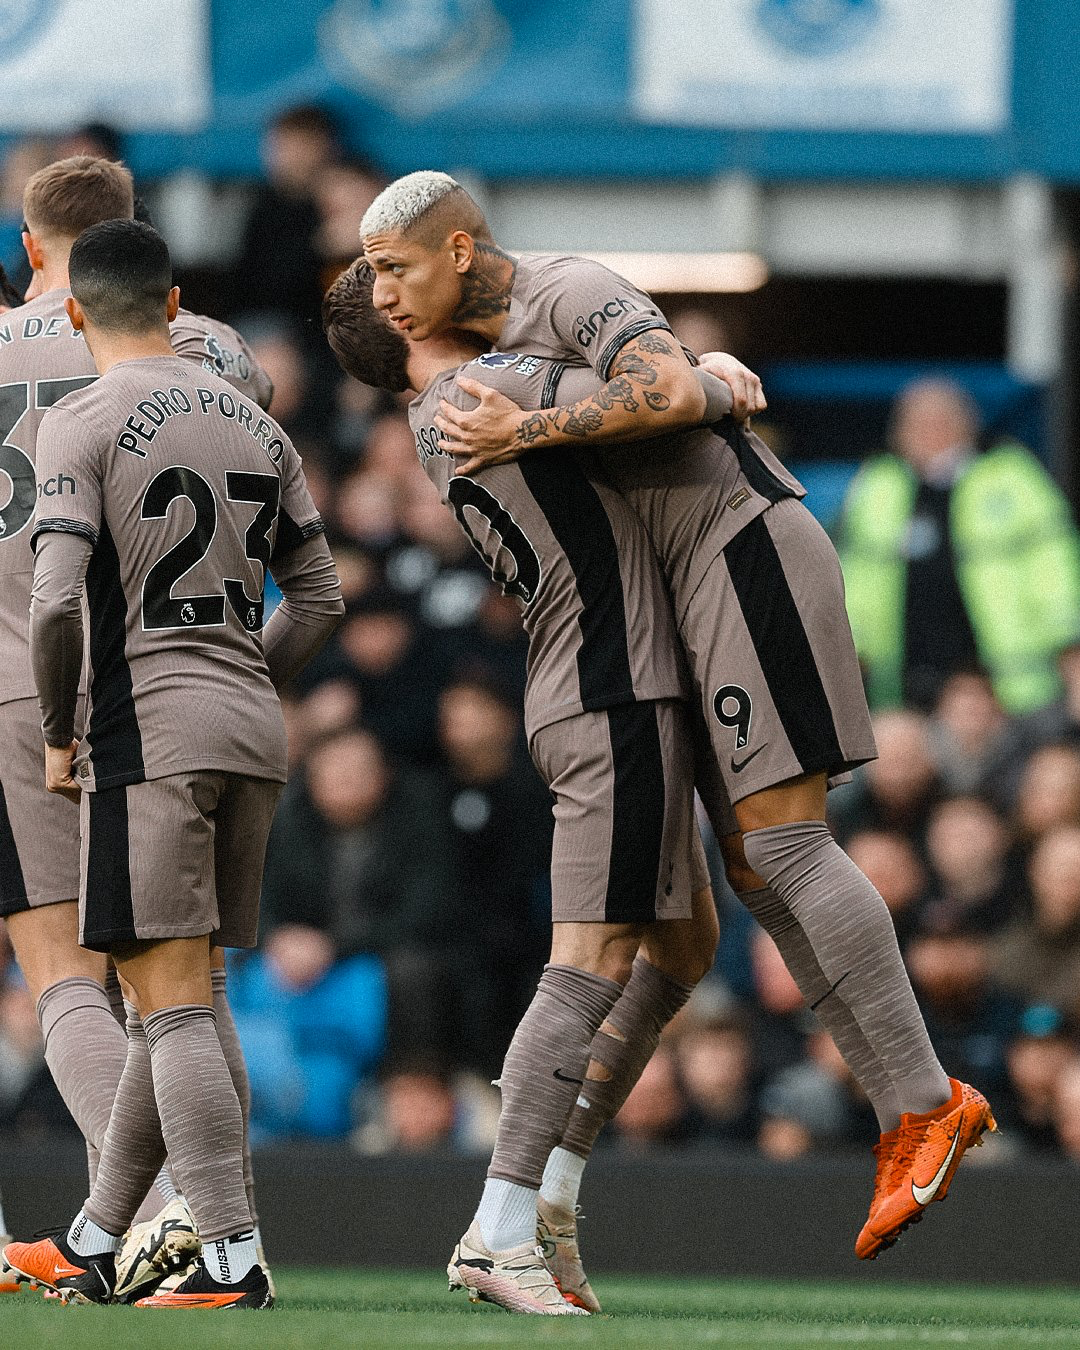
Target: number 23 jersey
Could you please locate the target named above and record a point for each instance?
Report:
(42, 358)
(187, 492)
(600, 624)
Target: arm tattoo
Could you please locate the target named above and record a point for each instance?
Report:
(486, 286)
(657, 402)
(532, 429)
(629, 363)
(654, 344)
(618, 390)
(583, 419)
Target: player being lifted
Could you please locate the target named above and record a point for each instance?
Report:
(607, 729)
(41, 359)
(172, 521)
(759, 601)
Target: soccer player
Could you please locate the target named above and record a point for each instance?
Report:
(634, 924)
(180, 495)
(41, 359)
(759, 601)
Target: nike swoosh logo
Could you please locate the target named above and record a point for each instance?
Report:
(924, 1194)
(563, 1078)
(738, 768)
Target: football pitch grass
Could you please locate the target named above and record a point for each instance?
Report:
(322, 1310)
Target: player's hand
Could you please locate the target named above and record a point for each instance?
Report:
(747, 393)
(486, 435)
(58, 776)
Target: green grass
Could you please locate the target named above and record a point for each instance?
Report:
(322, 1310)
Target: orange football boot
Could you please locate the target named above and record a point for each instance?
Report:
(200, 1290)
(51, 1263)
(917, 1162)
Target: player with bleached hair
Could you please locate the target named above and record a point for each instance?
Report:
(759, 602)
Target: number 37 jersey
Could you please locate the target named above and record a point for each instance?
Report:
(600, 624)
(187, 492)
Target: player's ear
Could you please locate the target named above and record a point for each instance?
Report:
(462, 247)
(74, 313)
(34, 255)
(172, 304)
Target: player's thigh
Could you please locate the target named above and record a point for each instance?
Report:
(46, 944)
(766, 633)
(148, 861)
(621, 784)
(39, 831)
(243, 818)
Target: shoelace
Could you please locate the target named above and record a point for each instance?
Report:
(564, 1232)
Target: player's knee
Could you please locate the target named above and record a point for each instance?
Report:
(741, 876)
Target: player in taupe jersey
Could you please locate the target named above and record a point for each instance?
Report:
(185, 495)
(41, 358)
(768, 608)
(610, 740)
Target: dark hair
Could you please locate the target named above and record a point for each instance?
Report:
(309, 118)
(365, 345)
(121, 275)
(9, 296)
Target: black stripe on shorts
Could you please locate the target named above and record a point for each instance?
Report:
(782, 647)
(114, 735)
(12, 883)
(638, 803)
(109, 918)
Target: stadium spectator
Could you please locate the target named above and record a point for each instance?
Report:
(1036, 1060)
(969, 1017)
(813, 1104)
(656, 1110)
(360, 862)
(1049, 791)
(1039, 958)
(897, 790)
(974, 879)
(1067, 1109)
(971, 738)
(499, 817)
(715, 1061)
(954, 558)
(280, 267)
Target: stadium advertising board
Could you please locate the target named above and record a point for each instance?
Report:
(874, 65)
(141, 63)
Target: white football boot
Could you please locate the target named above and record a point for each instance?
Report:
(150, 1251)
(556, 1234)
(516, 1279)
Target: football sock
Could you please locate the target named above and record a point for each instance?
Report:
(545, 1068)
(850, 933)
(507, 1214)
(562, 1177)
(234, 1058)
(115, 994)
(87, 1238)
(833, 1014)
(229, 1259)
(133, 1150)
(621, 1048)
(86, 1051)
(200, 1117)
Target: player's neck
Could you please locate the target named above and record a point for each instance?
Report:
(110, 349)
(485, 292)
(428, 360)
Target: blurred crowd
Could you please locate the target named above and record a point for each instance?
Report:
(406, 902)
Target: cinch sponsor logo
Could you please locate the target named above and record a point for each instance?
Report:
(58, 486)
(587, 328)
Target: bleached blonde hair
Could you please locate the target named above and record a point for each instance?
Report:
(428, 206)
(400, 206)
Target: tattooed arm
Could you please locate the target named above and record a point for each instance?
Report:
(653, 389)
